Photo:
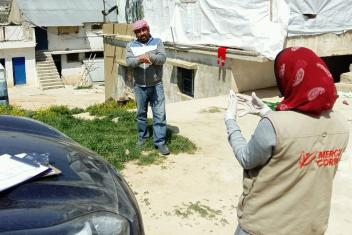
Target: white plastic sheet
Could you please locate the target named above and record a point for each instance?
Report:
(230, 23)
(258, 25)
(327, 16)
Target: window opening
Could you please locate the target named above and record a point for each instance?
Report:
(72, 57)
(67, 29)
(186, 81)
(98, 54)
(97, 26)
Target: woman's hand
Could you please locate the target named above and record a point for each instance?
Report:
(231, 107)
(251, 105)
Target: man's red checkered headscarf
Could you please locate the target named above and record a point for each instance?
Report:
(139, 24)
(305, 81)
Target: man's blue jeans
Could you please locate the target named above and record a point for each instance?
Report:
(155, 96)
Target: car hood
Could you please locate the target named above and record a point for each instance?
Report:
(85, 186)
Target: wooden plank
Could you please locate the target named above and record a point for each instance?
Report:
(120, 29)
(129, 31)
(182, 63)
(108, 28)
(124, 38)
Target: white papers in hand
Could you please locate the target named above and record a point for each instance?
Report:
(137, 51)
(13, 172)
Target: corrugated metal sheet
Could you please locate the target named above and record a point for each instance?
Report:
(65, 12)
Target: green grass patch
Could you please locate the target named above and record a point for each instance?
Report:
(116, 142)
(111, 108)
(83, 87)
(197, 208)
(213, 109)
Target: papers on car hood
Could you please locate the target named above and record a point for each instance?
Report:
(14, 172)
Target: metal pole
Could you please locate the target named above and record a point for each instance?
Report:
(271, 10)
(104, 12)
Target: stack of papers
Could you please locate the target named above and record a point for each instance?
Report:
(19, 168)
(137, 51)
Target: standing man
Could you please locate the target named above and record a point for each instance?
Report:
(146, 55)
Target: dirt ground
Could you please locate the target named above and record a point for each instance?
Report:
(33, 98)
(197, 193)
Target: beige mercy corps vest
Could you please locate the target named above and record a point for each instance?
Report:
(291, 194)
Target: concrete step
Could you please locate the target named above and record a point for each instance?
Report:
(48, 75)
(47, 71)
(43, 57)
(40, 61)
(45, 64)
(51, 79)
(51, 83)
(346, 77)
(42, 54)
(51, 68)
(52, 87)
(344, 87)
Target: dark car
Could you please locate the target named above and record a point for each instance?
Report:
(88, 197)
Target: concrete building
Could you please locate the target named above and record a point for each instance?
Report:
(17, 54)
(66, 33)
(192, 71)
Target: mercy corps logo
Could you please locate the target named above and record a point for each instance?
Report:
(321, 158)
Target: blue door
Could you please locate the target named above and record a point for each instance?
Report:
(19, 70)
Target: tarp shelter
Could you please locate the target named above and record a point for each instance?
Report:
(61, 12)
(258, 25)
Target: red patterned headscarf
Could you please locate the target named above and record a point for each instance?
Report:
(139, 24)
(305, 81)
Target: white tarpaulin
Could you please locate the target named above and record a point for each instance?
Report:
(258, 25)
(319, 16)
(229, 23)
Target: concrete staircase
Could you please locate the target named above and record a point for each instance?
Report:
(48, 76)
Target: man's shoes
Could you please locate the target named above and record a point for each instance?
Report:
(163, 149)
(140, 142)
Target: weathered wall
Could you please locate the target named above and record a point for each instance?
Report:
(251, 75)
(84, 39)
(208, 81)
(240, 73)
(94, 69)
(114, 58)
(71, 71)
(29, 54)
(325, 44)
